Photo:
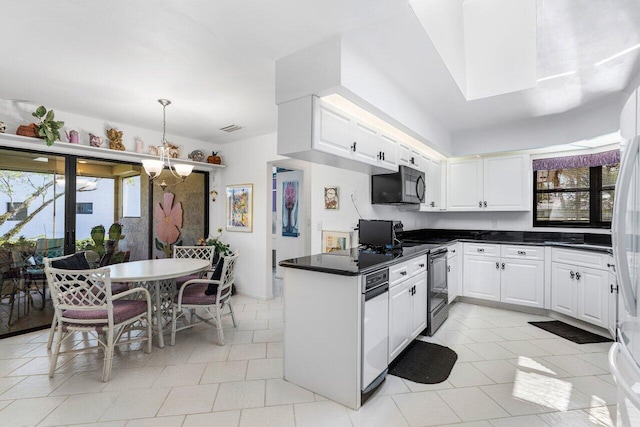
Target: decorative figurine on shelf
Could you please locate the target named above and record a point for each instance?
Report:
(95, 140)
(115, 139)
(3, 127)
(73, 137)
(174, 150)
(139, 145)
(214, 158)
(197, 156)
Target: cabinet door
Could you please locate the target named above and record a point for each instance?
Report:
(366, 139)
(435, 184)
(613, 305)
(481, 277)
(388, 146)
(418, 305)
(506, 183)
(452, 277)
(563, 289)
(464, 185)
(593, 296)
(335, 132)
(415, 159)
(404, 154)
(399, 319)
(522, 282)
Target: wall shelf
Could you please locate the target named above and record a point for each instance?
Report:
(59, 147)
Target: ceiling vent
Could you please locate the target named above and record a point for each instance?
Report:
(231, 128)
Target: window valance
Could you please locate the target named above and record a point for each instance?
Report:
(581, 161)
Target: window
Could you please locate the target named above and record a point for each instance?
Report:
(84, 208)
(573, 192)
(18, 214)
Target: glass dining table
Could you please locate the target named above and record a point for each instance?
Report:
(158, 276)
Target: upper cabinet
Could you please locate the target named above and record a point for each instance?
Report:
(313, 130)
(500, 183)
(433, 177)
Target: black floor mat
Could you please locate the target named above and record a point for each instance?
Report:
(569, 332)
(424, 362)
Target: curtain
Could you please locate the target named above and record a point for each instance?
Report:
(581, 161)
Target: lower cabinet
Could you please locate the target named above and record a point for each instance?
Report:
(481, 277)
(407, 312)
(581, 292)
(515, 279)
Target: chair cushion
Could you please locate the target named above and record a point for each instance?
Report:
(182, 280)
(74, 262)
(122, 310)
(194, 294)
(118, 287)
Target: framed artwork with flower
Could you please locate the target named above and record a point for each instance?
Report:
(290, 199)
(331, 200)
(240, 208)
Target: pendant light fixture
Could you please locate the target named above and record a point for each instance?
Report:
(154, 168)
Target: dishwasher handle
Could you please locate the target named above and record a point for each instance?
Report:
(378, 290)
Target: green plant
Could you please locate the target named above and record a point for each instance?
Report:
(48, 128)
(222, 249)
(97, 234)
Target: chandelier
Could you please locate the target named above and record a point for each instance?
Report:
(153, 167)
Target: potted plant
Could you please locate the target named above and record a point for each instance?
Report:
(47, 127)
(214, 158)
(222, 248)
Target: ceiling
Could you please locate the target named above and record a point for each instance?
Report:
(215, 59)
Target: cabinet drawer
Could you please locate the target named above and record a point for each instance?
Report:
(398, 273)
(452, 250)
(523, 252)
(418, 265)
(580, 258)
(482, 249)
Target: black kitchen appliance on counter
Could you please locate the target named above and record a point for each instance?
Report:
(379, 233)
(407, 186)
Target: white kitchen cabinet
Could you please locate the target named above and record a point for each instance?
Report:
(334, 131)
(404, 154)
(508, 273)
(313, 130)
(407, 303)
(522, 282)
(418, 305)
(453, 281)
(399, 318)
(593, 296)
(481, 277)
(580, 292)
(564, 296)
(433, 191)
(464, 184)
(489, 184)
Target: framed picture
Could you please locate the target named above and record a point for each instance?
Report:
(333, 241)
(290, 201)
(331, 200)
(240, 208)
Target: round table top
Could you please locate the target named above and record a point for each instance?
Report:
(155, 269)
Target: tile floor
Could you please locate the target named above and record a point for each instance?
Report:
(508, 373)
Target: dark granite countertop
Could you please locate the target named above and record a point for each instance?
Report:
(357, 261)
(420, 242)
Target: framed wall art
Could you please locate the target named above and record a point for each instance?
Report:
(290, 201)
(240, 208)
(331, 200)
(334, 241)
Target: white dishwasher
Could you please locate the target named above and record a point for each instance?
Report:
(375, 329)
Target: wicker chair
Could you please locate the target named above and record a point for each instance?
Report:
(206, 253)
(192, 296)
(83, 302)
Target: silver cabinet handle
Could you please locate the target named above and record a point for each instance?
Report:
(449, 271)
(497, 265)
(480, 250)
(485, 204)
(403, 273)
(578, 275)
(353, 146)
(503, 265)
(522, 253)
(572, 275)
(480, 204)
(453, 251)
(421, 265)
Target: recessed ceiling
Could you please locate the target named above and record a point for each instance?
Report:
(215, 59)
